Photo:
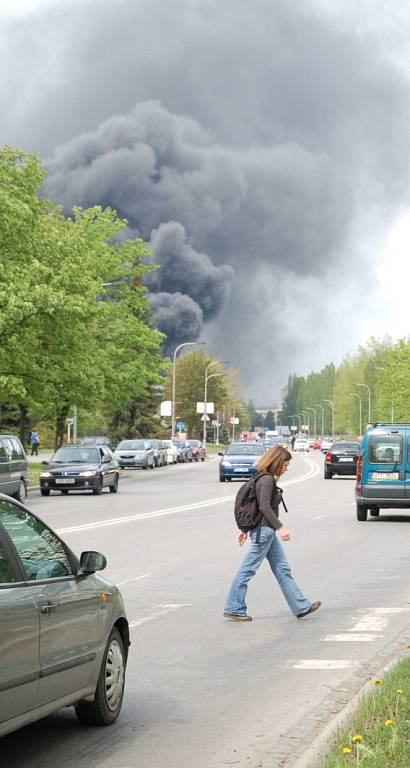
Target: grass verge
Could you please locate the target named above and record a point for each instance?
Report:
(33, 473)
(379, 733)
(211, 448)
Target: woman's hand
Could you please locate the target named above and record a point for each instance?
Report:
(284, 535)
(242, 538)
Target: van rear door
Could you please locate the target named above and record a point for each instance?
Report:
(384, 466)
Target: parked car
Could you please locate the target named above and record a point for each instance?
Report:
(172, 451)
(64, 634)
(13, 467)
(239, 460)
(341, 459)
(301, 444)
(198, 450)
(96, 440)
(326, 443)
(187, 447)
(160, 454)
(181, 450)
(80, 468)
(135, 453)
(383, 470)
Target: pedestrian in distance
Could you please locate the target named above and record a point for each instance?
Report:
(265, 542)
(34, 442)
(292, 442)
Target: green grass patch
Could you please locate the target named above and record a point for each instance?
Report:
(33, 473)
(211, 448)
(379, 733)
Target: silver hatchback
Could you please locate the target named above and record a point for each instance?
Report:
(64, 635)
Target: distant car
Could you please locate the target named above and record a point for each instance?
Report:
(341, 459)
(160, 454)
(13, 467)
(135, 453)
(325, 444)
(301, 444)
(198, 450)
(239, 460)
(80, 468)
(64, 634)
(316, 443)
(181, 450)
(188, 449)
(95, 440)
(172, 451)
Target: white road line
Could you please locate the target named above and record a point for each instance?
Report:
(363, 638)
(319, 517)
(163, 610)
(322, 664)
(370, 623)
(136, 578)
(314, 469)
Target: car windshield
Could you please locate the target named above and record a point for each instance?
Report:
(94, 440)
(77, 455)
(177, 443)
(244, 449)
(345, 447)
(132, 445)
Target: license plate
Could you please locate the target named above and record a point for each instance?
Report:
(385, 476)
(241, 469)
(345, 458)
(65, 481)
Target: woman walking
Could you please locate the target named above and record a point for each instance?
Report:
(265, 542)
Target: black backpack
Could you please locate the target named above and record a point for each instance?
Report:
(247, 513)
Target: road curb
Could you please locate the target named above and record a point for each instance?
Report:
(322, 743)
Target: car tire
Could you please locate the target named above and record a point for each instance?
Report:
(203, 458)
(114, 487)
(374, 512)
(328, 474)
(44, 492)
(145, 466)
(98, 490)
(109, 693)
(21, 493)
(361, 512)
(222, 479)
(64, 492)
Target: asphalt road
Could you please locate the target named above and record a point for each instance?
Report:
(202, 691)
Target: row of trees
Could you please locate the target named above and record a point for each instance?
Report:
(74, 318)
(381, 365)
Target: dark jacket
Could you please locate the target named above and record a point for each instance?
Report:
(269, 498)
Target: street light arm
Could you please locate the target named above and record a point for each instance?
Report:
(180, 346)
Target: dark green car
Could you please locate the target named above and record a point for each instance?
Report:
(64, 635)
(13, 467)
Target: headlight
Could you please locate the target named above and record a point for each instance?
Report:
(88, 473)
(46, 474)
(226, 463)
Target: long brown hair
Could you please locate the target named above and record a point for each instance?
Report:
(273, 460)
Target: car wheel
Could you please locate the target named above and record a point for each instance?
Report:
(221, 479)
(203, 458)
(109, 693)
(98, 490)
(114, 487)
(44, 492)
(328, 474)
(21, 493)
(374, 512)
(361, 512)
(145, 466)
(64, 492)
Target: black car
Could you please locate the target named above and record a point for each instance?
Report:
(341, 459)
(80, 468)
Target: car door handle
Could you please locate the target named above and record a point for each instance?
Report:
(48, 608)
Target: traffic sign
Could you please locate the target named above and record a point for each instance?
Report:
(180, 426)
(205, 417)
(234, 420)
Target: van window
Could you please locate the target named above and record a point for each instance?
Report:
(8, 446)
(17, 449)
(6, 571)
(385, 449)
(3, 454)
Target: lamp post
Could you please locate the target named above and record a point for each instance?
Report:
(314, 419)
(215, 362)
(185, 344)
(296, 416)
(306, 416)
(360, 409)
(333, 415)
(303, 418)
(368, 390)
(318, 405)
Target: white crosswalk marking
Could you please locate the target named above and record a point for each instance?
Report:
(353, 638)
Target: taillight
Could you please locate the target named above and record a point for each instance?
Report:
(359, 469)
(328, 457)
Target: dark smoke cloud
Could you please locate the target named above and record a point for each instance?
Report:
(270, 139)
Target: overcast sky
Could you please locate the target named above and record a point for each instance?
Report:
(262, 148)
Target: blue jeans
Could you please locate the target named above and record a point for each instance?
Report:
(268, 546)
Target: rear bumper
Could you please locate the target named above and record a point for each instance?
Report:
(341, 469)
(382, 503)
(230, 472)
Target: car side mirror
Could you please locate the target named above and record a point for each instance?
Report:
(46, 463)
(92, 561)
(220, 453)
(106, 460)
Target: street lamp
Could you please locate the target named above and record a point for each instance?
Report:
(185, 344)
(296, 416)
(306, 415)
(368, 390)
(314, 419)
(303, 417)
(318, 405)
(360, 409)
(215, 362)
(333, 415)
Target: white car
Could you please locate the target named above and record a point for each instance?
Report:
(326, 444)
(301, 444)
(172, 451)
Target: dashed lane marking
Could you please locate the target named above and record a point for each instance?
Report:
(161, 610)
(353, 638)
(322, 664)
(135, 578)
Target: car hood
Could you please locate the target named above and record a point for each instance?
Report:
(72, 468)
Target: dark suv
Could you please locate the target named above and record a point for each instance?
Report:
(13, 467)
